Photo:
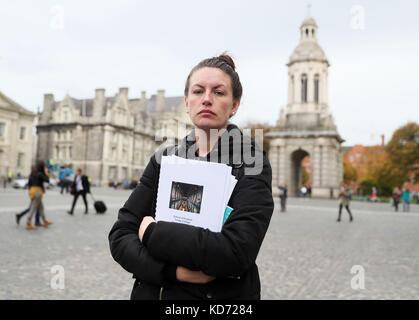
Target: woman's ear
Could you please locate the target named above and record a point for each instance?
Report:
(235, 107)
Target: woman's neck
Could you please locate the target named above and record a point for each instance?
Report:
(206, 139)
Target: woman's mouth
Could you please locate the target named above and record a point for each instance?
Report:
(206, 111)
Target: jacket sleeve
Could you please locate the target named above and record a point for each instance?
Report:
(126, 248)
(231, 251)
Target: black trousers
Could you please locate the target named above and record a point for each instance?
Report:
(283, 203)
(76, 195)
(347, 209)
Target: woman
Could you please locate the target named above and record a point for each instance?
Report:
(177, 261)
(397, 195)
(345, 197)
(36, 190)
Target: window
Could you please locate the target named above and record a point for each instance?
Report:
(63, 153)
(2, 129)
(20, 159)
(70, 153)
(65, 115)
(22, 133)
(113, 153)
(112, 173)
(304, 88)
(123, 173)
(58, 135)
(70, 135)
(316, 88)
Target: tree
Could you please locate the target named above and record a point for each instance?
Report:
(403, 150)
(349, 172)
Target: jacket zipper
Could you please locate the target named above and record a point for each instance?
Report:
(161, 294)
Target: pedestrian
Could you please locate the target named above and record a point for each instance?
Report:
(283, 194)
(406, 200)
(397, 195)
(303, 191)
(373, 197)
(177, 261)
(80, 187)
(36, 190)
(345, 197)
(62, 177)
(22, 213)
(10, 177)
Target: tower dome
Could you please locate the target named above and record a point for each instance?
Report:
(308, 48)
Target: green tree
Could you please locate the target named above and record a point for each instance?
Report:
(403, 150)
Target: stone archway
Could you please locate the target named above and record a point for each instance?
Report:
(296, 171)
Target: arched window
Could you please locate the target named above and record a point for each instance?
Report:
(304, 88)
(292, 89)
(316, 88)
(307, 32)
(312, 32)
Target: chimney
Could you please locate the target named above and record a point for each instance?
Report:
(123, 91)
(47, 110)
(98, 103)
(382, 140)
(100, 93)
(160, 101)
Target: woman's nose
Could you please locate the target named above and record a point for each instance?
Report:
(207, 99)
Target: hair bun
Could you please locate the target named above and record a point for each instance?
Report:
(227, 59)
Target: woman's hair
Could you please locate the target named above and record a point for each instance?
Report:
(225, 63)
(39, 167)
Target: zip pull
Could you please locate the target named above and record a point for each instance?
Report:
(161, 293)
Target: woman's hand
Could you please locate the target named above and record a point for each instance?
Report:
(185, 275)
(143, 226)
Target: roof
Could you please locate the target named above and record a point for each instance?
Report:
(9, 104)
(308, 50)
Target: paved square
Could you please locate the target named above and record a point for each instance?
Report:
(306, 253)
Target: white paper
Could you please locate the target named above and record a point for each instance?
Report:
(193, 192)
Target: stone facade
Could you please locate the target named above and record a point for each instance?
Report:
(109, 138)
(16, 138)
(306, 127)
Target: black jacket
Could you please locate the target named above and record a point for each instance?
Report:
(228, 255)
(85, 183)
(38, 180)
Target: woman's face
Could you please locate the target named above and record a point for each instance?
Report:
(210, 98)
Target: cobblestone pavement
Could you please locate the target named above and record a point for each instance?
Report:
(306, 254)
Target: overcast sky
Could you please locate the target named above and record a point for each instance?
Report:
(76, 46)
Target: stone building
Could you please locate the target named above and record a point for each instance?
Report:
(109, 138)
(306, 127)
(16, 138)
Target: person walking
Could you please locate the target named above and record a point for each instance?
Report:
(22, 213)
(397, 195)
(64, 173)
(178, 261)
(36, 190)
(345, 197)
(283, 194)
(80, 187)
(406, 200)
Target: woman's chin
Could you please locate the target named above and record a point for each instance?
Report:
(206, 124)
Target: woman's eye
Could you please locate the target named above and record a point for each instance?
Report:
(219, 93)
(197, 91)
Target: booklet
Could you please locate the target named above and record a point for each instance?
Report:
(194, 192)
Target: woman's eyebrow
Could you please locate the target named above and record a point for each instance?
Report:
(201, 86)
